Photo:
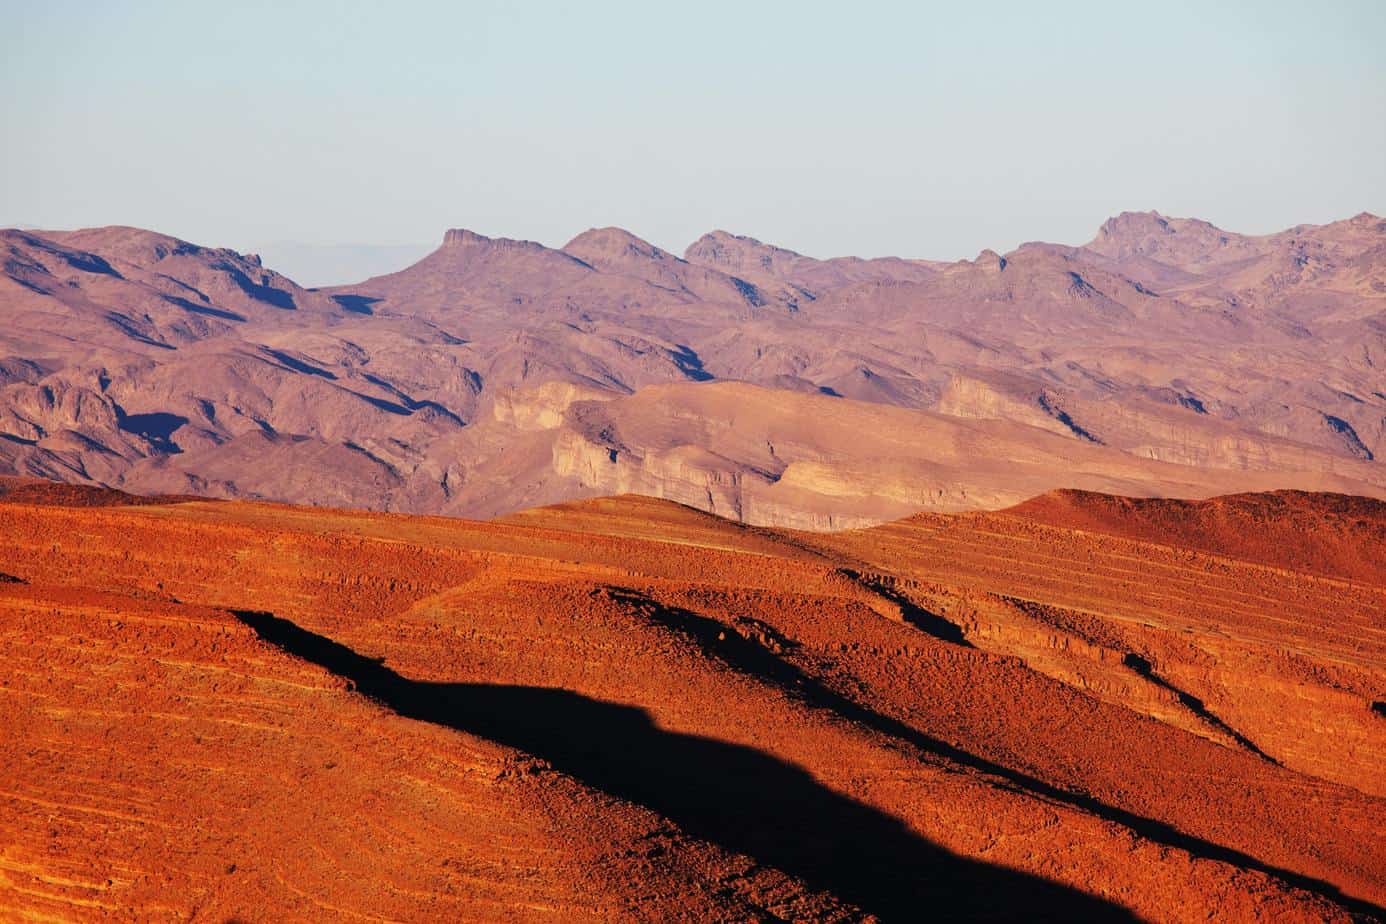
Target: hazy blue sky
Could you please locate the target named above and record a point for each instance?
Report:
(918, 129)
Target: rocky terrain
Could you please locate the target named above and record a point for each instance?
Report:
(1166, 357)
(1084, 708)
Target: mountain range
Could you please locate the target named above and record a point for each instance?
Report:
(1165, 357)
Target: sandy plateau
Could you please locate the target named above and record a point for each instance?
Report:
(1083, 708)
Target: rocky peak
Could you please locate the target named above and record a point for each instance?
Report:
(127, 245)
(1368, 221)
(1129, 225)
(613, 245)
(734, 252)
(1178, 241)
(461, 238)
(991, 261)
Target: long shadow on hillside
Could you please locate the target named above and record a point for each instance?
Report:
(751, 658)
(910, 612)
(731, 795)
(1195, 705)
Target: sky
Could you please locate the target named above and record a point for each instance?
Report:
(916, 129)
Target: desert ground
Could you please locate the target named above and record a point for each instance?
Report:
(1086, 707)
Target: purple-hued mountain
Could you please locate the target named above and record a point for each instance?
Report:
(1164, 357)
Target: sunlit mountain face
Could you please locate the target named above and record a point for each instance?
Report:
(1165, 357)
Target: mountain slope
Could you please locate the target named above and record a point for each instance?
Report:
(1331, 534)
(1198, 360)
(621, 708)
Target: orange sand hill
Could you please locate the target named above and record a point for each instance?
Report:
(44, 493)
(1336, 535)
(625, 709)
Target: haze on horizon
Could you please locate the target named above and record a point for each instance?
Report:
(925, 130)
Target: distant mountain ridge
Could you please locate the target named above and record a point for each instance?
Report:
(1166, 356)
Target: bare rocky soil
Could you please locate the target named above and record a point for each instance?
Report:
(626, 709)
